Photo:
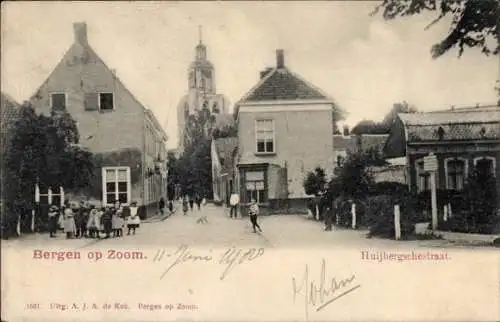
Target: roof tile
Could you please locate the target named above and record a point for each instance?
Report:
(284, 85)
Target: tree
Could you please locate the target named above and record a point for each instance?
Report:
(315, 181)
(383, 127)
(225, 132)
(42, 149)
(403, 107)
(480, 198)
(352, 179)
(474, 23)
(368, 127)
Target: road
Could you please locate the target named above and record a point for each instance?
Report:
(285, 231)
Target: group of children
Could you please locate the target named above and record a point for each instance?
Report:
(87, 221)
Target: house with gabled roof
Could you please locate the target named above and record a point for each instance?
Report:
(461, 139)
(285, 127)
(126, 137)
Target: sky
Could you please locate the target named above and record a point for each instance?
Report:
(365, 63)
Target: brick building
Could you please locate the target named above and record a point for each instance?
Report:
(460, 138)
(112, 123)
(285, 127)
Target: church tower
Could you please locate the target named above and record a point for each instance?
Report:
(201, 95)
(201, 71)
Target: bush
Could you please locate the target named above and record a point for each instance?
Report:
(380, 216)
(387, 188)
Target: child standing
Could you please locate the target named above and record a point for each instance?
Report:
(107, 221)
(133, 221)
(254, 212)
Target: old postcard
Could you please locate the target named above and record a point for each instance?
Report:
(250, 161)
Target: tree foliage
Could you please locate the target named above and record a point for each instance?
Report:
(315, 181)
(352, 179)
(43, 149)
(193, 170)
(474, 23)
(383, 127)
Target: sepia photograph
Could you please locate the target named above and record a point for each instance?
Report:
(250, 160)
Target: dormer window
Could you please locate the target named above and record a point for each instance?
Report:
(58, 101)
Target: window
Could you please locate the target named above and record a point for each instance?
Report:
(91, 101)
(486, 165)
(116, 184)
(340, 157)
(422, 177)
(58, 101)
(106, 102)
(340, 160)
(456, 173)
(265, 136)
(254, 185)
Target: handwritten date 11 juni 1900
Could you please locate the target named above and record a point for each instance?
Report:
(230, 258)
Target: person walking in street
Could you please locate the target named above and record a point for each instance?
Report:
(198, 202)
(191, 203)
(254, 213)
(161, 205)
(234, 201)
(69, 221)
(185, 206)
(133, 220)
(53, 220)
(328, 216)
(171, 206)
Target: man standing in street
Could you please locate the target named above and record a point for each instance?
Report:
(234, 202)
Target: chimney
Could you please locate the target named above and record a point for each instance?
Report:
(80, 29)
(280, 58)
(346, 130)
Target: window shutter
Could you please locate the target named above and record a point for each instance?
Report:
(91, 102)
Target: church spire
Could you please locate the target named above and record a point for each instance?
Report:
(201, 50)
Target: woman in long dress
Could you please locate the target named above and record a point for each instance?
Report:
(93, 223)
(69, 222)
(53, 218)
(118, 220)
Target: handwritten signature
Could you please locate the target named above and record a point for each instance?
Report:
(324, 294)
(231, 258)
